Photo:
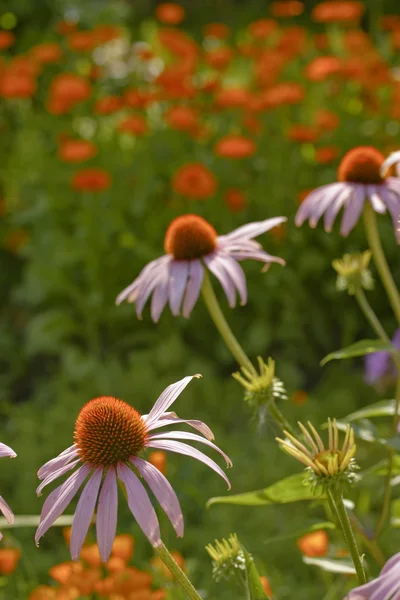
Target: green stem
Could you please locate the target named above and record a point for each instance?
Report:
(375, 245)
(279, 417)
(221, 324)
(371, 316)
(336, 502)
(175, 569)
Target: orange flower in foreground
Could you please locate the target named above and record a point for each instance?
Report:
(107, 105)
(235, 200)
(194, 180)
(219, 31)
(263, 28)
(287, 8)
(43, 592)
(63, 572)
(91, 180)
(134, 125)
(48, 52)
(338, 12)
(91, 555)
(182, 118)
(9, 558)
(302, 134)
(327, 154)
(235, 146)
(266, 585)
(159, 460)
(314, 544)
(14, 85)
(323, 67)
(76, 151)
(170, 13)
(123, 546)
(7, 39)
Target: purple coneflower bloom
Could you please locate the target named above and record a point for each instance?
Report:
(192, 244)
(4, 508)
(109, 437)
(380, 364)
(361, 177)
(384, 587)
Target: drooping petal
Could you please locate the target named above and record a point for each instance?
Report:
(145, 274)
(166, 398)
(352, 210)
(373, 193)
(172, 419)
(106, 517)
(316, 202)
(178, 274)
(6, 510)
(326, 199)
(140, 505)
(391, 160)
(251, 230)
(185, 435)
(196, 273)
(149, 284)
(84, 513)
(160, 296)
(259, 255)
(181, 448)
(217, 268)
(6, 451)
(334, 207)
(236, 274)
(55, 474)
(55, 463)
(163, 491)
(393, 183)
(61, 497)
(392, 201)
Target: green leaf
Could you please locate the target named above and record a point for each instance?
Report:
(394, 442)
(331, 565)
(254, 585)
(364, 430)
(289, 489)
(360, 348)
(384, 408)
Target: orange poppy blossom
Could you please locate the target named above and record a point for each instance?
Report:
(76, 151)
(287, 8)
(91, 180)
(235, 146)
(327, 154)
(302, 134)
(9, 559)
(314, 544)
(235, 200)
(232, 98)
(182, 118)
(322, 68)
(262, 28)
(82, 41)
(133, 125)
(338, 12)
(220, 31)
(7, 39)
(170, 13)
(194, 180)
(70, 88)
(219, 58)
(107, 105)
(326, 120)
(46, 53)
(17, 85)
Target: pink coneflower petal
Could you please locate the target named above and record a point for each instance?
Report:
(61, 497)
(181, 448)
(311, 202)
(185, 435)
(251, 230)
(173, 419)
(333, 209)
(178, 271)
(352, 211)
(160, 296)
(375, 199)
(163, 491)
(324, 200)
(260, 256)
(237, 276)
(149, 284)
(55, 474)
(140, 505)
(393, 204)
(391, 160)
(6, 510)
(106, 517)
(216, 265)
(168, 397)
(6, 451)
(84, 513)
(393, 183)
(196, 273)
(56, 463)
(147, 271)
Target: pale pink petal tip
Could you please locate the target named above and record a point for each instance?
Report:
(6, 510)
(7, 451)
(391, 160)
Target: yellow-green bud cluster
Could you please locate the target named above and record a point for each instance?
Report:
(261, 387)
(228, 558)
(353, 272)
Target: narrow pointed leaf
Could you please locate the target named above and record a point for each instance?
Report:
(332, 565)
(360, 348)
(254, 586)
(384, 408)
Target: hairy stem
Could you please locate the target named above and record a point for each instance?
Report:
(175, 569)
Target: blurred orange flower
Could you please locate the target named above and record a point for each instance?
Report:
(48, 52)
(76, 151)
(323, 67)
(178, 42)
(7, 39)
(194, 180)
(326, 119)
(138, 98)
(170, 13)
(158, 565)
(43, 592)
(9, 559)
(302, 134)
(266, 585)
(287, 8)
(219, 58)
(65, 27)
(64, 571)
(232, 98)
(107, 105)
(15, 85)
(15, 240)
(106, 33)
(91, 555)
(338, 12)
(123, 546)
(327, 154)
(262, 28)
(235, 146)
(91, 180)
(182, 118)
(235, 200)
(300, 397)
(82, 41)
(133, 124)
(159, 460)
(283, 93)
(217, 30)
(70, 88)
(314, 544)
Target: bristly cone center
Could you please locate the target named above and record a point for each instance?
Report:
(108, 431)
(361, 165)
(190, 236)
